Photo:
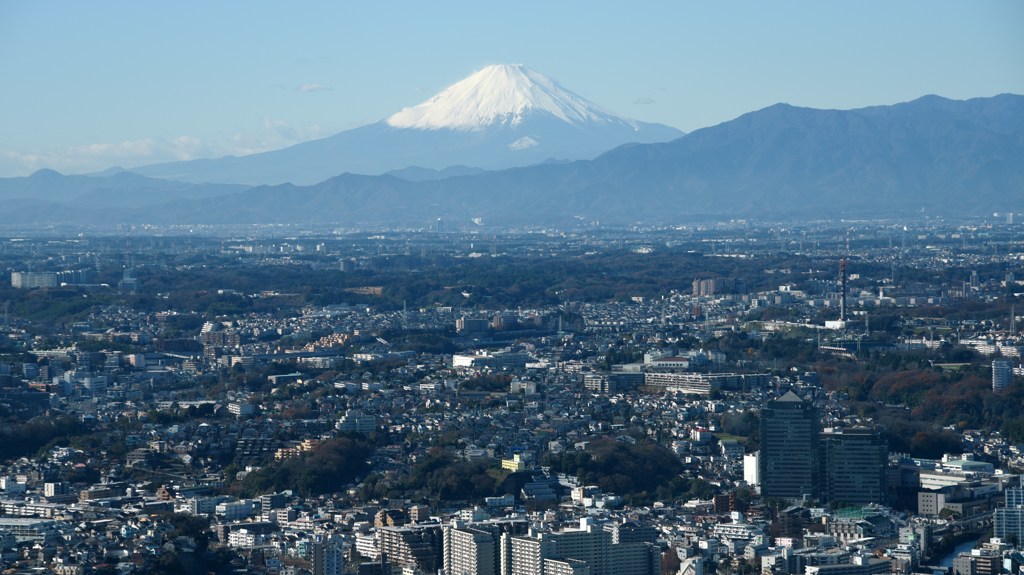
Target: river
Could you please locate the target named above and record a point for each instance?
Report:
(947, 561)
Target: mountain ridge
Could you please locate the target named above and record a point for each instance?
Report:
(937, 155)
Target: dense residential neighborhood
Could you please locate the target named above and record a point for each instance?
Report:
(533, 288)
(838, 399)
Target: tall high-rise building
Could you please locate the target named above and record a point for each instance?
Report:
(469, 551)
(419, 546)
(789, 459)
(328, 556)
(471, 548)
(752, 469)
(1002, 374)
(855, 466)
(1008, 520)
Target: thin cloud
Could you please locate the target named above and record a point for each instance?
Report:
(645, 101)
(315, 88)
(269, 134)
(274, 135)
(101, 155)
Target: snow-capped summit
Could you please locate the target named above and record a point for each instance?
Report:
(500, 117)
(501, 94)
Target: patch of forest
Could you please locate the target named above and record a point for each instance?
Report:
(325, 469)
(640, 472)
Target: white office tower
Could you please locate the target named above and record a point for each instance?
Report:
(328, 556)
(752, 470)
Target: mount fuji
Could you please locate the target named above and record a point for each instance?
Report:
(936, 156)
(499, 117)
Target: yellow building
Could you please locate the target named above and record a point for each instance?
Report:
(515, 464)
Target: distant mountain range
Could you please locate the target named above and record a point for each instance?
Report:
(932, 155)
(500, 117)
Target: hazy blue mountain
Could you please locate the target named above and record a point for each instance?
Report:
(499, 117)
(120, 189)
(931, 155)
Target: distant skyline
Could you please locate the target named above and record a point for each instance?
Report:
(90, 85)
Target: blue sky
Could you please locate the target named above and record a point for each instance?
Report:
(88, 85)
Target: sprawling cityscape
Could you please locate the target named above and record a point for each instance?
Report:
(522, 288)
(838, 397)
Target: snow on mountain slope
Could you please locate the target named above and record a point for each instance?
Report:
(500, 95)
(500, 117)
